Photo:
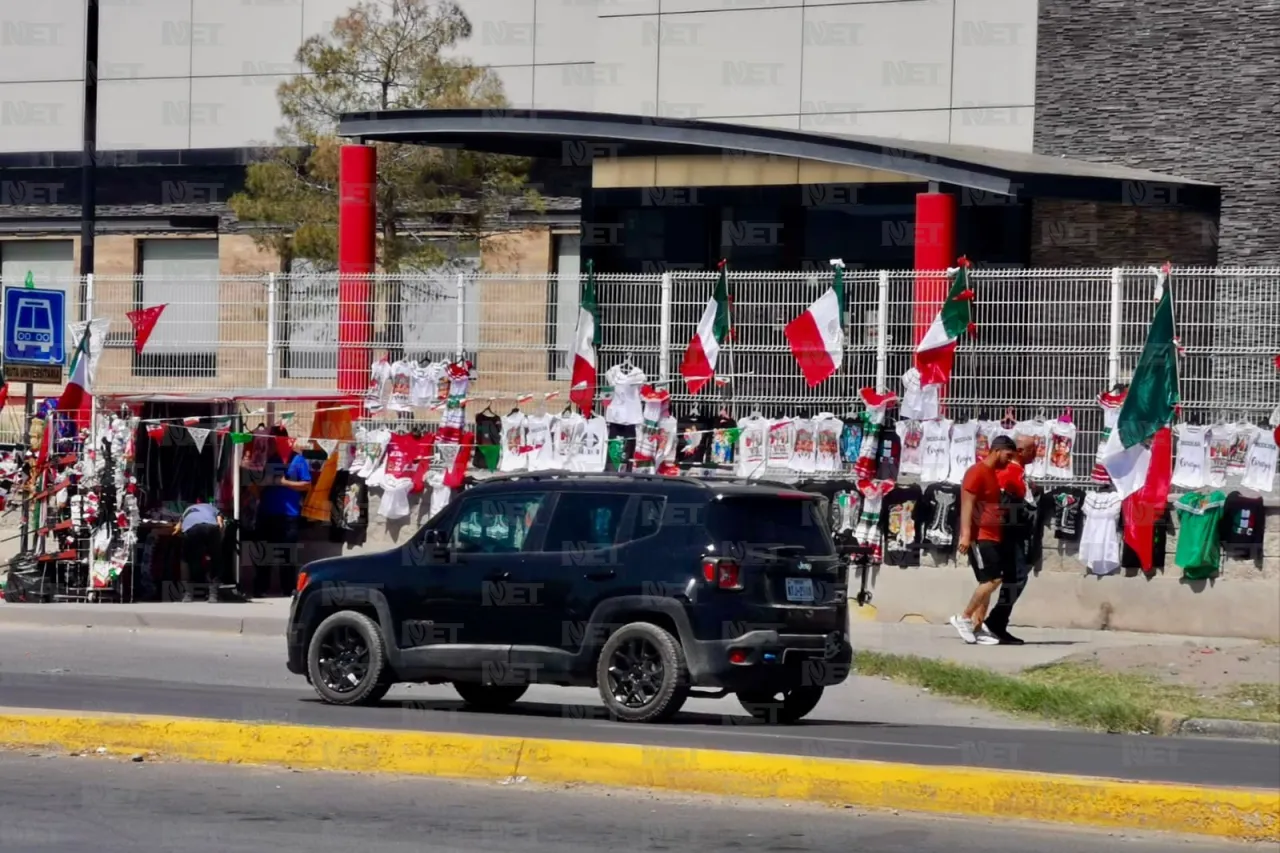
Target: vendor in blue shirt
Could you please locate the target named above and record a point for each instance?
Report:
(279, 520)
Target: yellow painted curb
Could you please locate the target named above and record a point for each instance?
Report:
(1245, 815)
(863, 613)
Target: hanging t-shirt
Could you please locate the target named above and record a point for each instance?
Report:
(1245, 434)
(1067, 504)
(488, 440)
(624, 402)
(590, 451)
(1038, 430)
(424, 389)
(781, 442)
(911, 434)
(723, 445)
(900, 526)
(379, 393)
(1062, 441)
(1222, 441)
(752, 450)
(846, 510)
(370, 447)
(918, 403)
(664, 441)
(695, 440)
(402, 386)
(940, 517)
(1190, 467)
(1100, 538)
(402, 456)
(513, 445)
(963, 452)
(826, 437)
(935, 454)
(555, 453)
(1260, 462)
(804, 451)
(867, 532)
(890, 457)
(1243, 525)
(1110, 403)
(988, 431)
(850, 440)
(537, 435)
(1199, 534)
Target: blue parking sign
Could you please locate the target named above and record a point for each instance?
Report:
(35, 323)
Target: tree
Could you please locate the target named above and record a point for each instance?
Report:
(388, 54)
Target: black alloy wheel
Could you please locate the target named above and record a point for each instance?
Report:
(780, 706)
(642, 674)
(347, 660)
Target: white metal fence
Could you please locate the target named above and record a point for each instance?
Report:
(1047, 339)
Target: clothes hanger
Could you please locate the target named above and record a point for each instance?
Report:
(1010, 420)
(1065, 417)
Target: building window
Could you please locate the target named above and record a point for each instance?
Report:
(51, 264)
(184, 276)
(563, 297)
(425, 326)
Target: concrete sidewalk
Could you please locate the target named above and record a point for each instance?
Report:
(266, 617)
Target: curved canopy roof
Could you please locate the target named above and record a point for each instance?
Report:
(578, 137)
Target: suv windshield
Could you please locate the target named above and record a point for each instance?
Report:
(768, 522)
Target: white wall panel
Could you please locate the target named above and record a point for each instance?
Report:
(41, 116)
(233, 112)
(517, 84)
(41, 41)
(146, 38)
(502, 32)
(631, 45)
(1007, 128)
(995, 53)
(739, 63)
(566, 32)
(141, 114)
(247, 38)
(571, 87)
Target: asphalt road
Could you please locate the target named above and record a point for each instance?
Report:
(190, 675)
(70, 805)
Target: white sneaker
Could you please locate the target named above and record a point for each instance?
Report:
(983, 637)
(964, 628)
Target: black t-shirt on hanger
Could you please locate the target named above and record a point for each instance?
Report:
(889, 454)
(1243, 524)
(1068, 513)
(900, 524)
(488, 433)
(940, 516)
(693, 443)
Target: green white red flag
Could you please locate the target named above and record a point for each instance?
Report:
(586, 337)
(701, 356)
(817, 336)
(936, 353)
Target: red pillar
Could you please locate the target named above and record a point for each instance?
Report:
(357, 254)
(935, 251)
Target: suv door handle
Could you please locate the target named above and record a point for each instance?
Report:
(601, 576)
(497, 576)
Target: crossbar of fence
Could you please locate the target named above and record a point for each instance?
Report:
(1047, 339)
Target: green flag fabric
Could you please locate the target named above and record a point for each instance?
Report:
(1153, 391)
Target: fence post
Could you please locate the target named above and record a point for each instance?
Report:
(271, 330)
(664, 331)
(460, 337)
(88, 323)
(1113, 347)
(882, 332)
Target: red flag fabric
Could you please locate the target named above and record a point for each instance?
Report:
(4, 394)
(143, 321)
(1143, 508)
(156, 432)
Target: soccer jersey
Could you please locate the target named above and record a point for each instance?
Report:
(1199, 521)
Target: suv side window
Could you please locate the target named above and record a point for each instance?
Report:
(585, 521)
(649, 513)
(497, 524)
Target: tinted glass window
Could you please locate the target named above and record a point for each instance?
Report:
(768, 522)
(495, 525)
(585, 521)
(648, 517)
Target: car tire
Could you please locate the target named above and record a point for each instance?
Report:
(489, 697)
(793, 705)
(357, 641)
(655, 646)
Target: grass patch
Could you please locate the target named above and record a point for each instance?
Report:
(1077, 694)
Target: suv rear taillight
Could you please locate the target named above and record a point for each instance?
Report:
(726, 574)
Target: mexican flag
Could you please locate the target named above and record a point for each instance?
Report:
(936, 352)
(699, 364)
(586, 337)
(1150, 402)
(817, 336)
(77, 389)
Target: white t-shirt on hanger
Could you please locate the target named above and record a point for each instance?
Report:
(1100, 537)
(1222, 441)
(987, 433)
(935, 454)
(402, 385)
(425, 390)
(512, 441)
(1190, 467)
(826, 438)
(1039, 430)
(804, 452)
(964, 440)
(1245, 434)
(537, 435)
(918, 402)
(1260, 464)
(624, 401)
(1062, 442)
(781, 442)
(911, 435)
(591, 452)
(547, 457)
(379, 392)
(665, 444)
(752, 450)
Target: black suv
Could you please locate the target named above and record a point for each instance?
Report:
(644, 586)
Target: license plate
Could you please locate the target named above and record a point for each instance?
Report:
(800, 589)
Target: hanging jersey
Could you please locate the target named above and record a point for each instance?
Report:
(751, 450)
(918, 403)
(850, 440)
(1245, 434)
(899, 526)
(1199, 523)
(1067, 505)
(1190, 467)
(590, 448)
(804, 451)
(1243, 525)
(624, 401)
(887, 463)
(1062, 441)
(826, 438)
(401, 386)
(537, 435)
(935, 456)
(379, 393)
(1110, 404)
(723, 441)
(425, 385)
(941, 516)
(1039, 431)
(694, 446)
(555, 456)
(488, 441)
(1260, 462)
(1222, 442)
(1100, 538)
(963, 452)
(911, 434)
(513, 456)
(781, 442)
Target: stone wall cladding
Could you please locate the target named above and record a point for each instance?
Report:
(1183, 87)
(1068, 233)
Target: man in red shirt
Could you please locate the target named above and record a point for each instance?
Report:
(981, 532)
(1014, 485)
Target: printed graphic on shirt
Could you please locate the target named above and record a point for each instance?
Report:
(963, 451)
(912, 435)
(1068, 505)
(827, 438)
(940, 531)
(1260, 463)
(804, 451)
(1038, 430)
(1189, 469)
(902, 526)
(781, 441)
(846, 507)
(1240, 450)
(850, 441)
(1222, 441)
(1062, 438)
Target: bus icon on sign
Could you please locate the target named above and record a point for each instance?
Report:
(34, 328)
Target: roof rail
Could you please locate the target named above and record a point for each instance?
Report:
(534, 476)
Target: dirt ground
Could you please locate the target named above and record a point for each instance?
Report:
(1201, 667)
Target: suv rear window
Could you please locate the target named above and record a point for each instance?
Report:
(764, 522)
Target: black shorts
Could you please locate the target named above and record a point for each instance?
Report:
(987, 560)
